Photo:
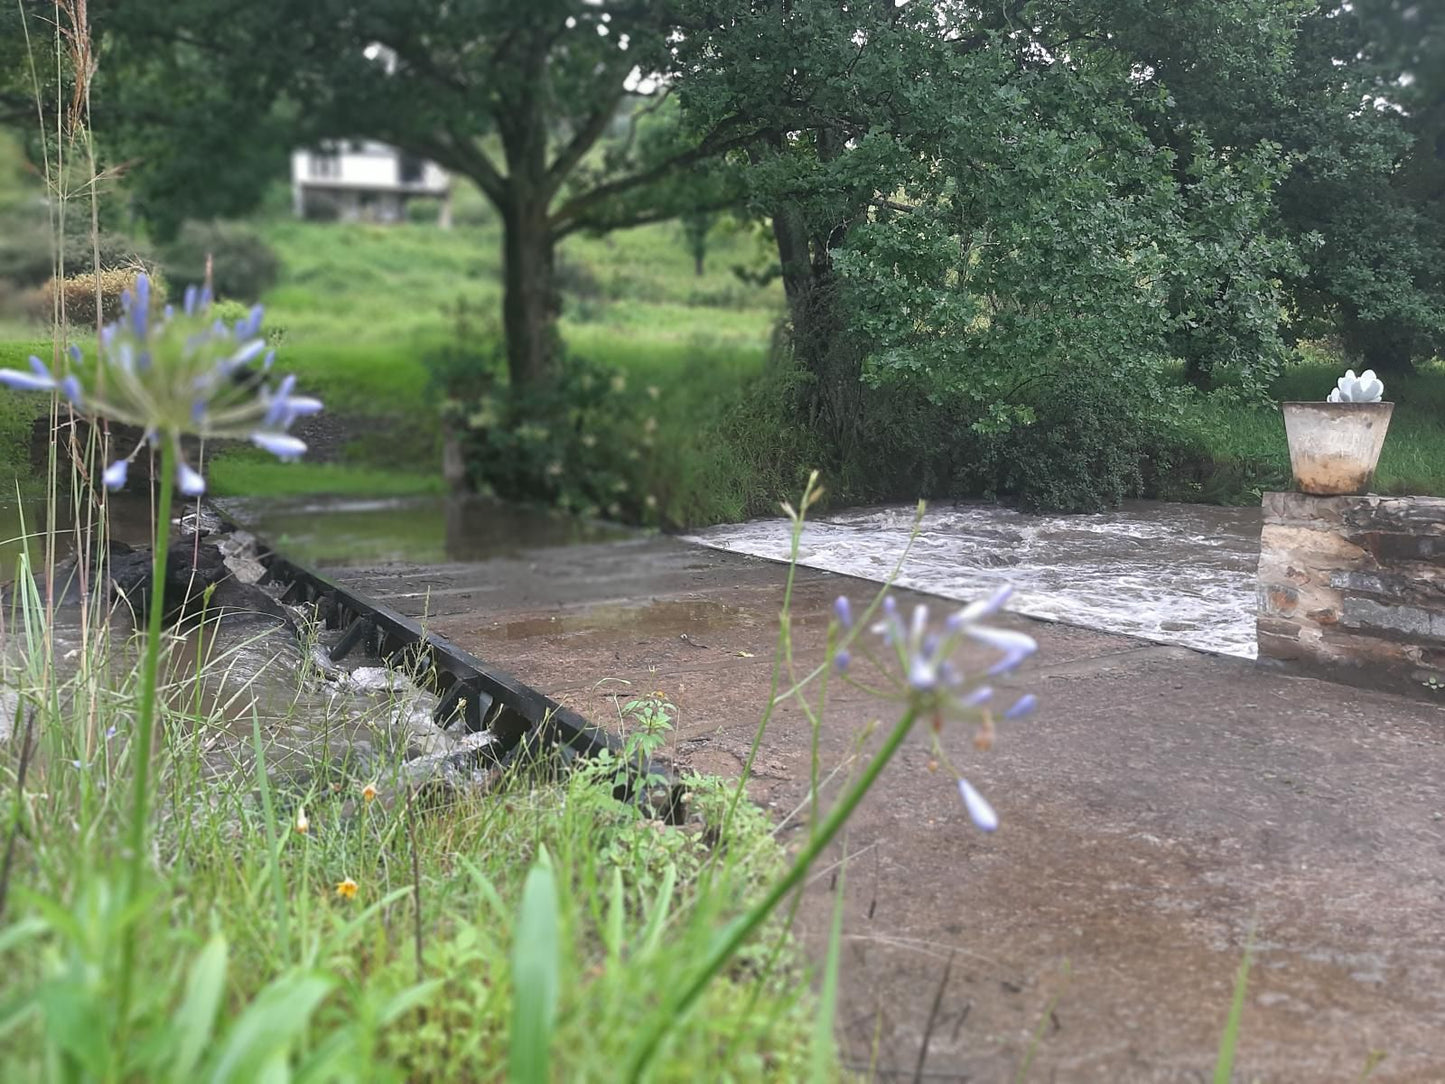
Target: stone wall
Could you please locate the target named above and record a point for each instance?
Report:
(1355, 587)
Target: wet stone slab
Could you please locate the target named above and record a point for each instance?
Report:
(1162, 808)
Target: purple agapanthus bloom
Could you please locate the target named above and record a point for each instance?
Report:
(938, 687)
(979, 811)
(174, 374)
(924, 654)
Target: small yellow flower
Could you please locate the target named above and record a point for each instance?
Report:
(653, 390)
(658, 694)
(346, 889)
(368, 793)
(302, 824)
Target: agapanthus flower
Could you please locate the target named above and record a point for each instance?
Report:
(922, 666)
(174, 374)
(924, 654)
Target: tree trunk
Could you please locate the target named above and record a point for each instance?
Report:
(834, 400)
(530, 304)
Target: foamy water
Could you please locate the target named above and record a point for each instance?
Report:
(1171, 573)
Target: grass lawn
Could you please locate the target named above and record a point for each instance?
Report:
(1248, 444)
(17, 410)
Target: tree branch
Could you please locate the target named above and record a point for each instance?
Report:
(644, 218)
(582, 141)
(568, 216)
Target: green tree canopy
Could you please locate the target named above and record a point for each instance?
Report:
(518, 98)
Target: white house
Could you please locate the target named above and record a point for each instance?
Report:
(362, 180)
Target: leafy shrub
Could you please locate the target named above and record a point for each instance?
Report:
(576, 278)
(575, 444)
(473, 213)
(243, 266)
(27, 249)
(320, 207)
(79, 292)
(1092, 443)
(423, 212)
(580, 444)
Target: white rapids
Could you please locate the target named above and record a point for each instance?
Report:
(1171, 573)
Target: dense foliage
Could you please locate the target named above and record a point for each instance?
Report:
(970, 208)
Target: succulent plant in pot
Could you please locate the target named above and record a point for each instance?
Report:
(1334, 446)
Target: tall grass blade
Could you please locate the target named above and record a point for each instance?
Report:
(273, 843)
(535, 977)
(823, 1069)
(1038, 1036)
(1224, 1066)
(657, 919)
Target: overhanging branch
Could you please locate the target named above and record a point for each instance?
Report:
(582, 141)
(571, 215)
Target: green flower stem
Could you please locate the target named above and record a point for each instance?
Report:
(145, 728)
(741, 930)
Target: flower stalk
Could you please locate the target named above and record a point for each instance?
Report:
(146, 716)
(739, 932)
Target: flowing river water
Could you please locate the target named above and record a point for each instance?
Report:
(1171, 573)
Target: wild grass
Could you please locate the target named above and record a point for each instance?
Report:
(388, 918)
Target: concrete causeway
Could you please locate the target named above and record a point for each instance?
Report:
(1162, 807)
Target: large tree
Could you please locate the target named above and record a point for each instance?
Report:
(1346, 92)
(516, 97)
(968, 198)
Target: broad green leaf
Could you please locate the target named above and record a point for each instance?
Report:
(266, 1031)
(196, 1018)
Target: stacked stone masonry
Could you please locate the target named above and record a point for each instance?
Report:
(1355, 586)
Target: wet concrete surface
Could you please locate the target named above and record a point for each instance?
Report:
(1161, 809)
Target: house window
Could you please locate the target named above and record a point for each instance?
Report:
(324, 165)
(409, 169)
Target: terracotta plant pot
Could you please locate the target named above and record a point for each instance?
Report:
(1334, 447)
